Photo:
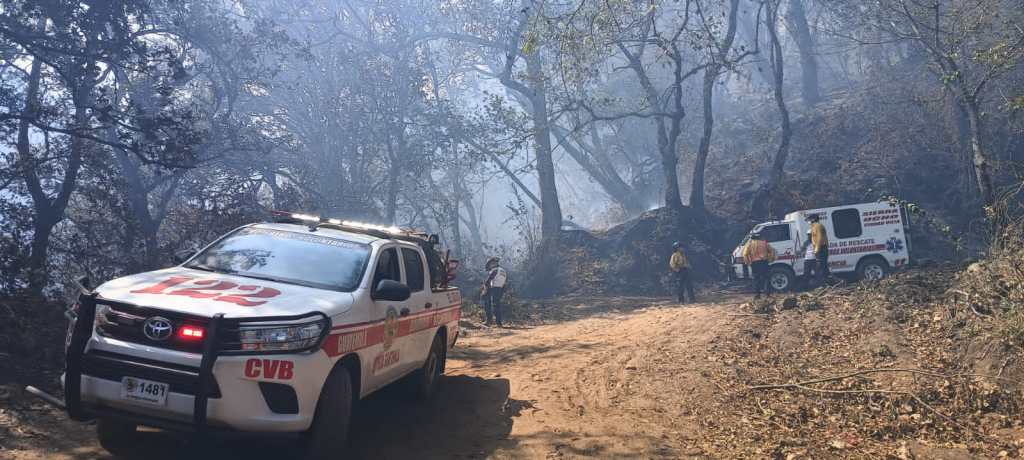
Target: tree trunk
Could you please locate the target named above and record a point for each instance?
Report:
(710, 77)
(472, 223)
(670, 154)
(551, 210)
(455, 177)
(669, 165)
(391, 207)
(982, 166)
(700, 163)
(42, 229)
(41, 225)
(50, 211)
(966, 174)
(796, 19)
(391, 199)
(667, 136)
(764, 201)
(138, 201)
(270, 177)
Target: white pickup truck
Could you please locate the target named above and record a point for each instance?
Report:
(275, 327)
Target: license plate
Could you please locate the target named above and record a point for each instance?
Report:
(147, 391)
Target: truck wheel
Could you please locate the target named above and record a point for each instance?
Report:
(872, 269)
(115, 436)
(327, 437)
(424, 380)
(781, 279)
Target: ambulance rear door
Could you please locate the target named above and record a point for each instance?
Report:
(905, 217)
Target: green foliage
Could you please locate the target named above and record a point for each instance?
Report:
(921, 218)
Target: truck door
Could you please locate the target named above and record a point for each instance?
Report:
(420, 332)
(781, 237)
(384, 361)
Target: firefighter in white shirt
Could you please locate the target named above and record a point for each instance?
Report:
(493, 289)
(810, 262)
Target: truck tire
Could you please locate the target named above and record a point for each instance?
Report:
(424, 380)
(872, 269)
(327, 437)
(781, 279)
(116, 437)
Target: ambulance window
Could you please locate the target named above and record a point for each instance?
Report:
(774, 233)
(387, 267)
(846, 223)
(413, 269)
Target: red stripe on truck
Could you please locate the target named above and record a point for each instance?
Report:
(347, 341)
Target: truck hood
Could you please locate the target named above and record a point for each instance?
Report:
(206, 294)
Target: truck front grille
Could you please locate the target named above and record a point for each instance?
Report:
(115, 366)
(125, 322)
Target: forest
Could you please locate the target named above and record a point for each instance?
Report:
(134, 129)
(579, 142)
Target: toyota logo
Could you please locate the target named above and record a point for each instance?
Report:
(157, 328)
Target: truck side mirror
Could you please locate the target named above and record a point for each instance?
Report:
(391, 290)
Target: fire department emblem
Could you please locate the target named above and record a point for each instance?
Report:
(390, 327)
(894, 245)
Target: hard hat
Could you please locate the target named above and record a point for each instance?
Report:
(676, 245)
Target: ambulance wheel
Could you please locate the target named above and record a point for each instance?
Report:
(327, 437)
(424, 380)
(115, 436)
(781, 279)
(872, 269)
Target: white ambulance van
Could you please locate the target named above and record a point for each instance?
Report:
(868, 240)
(275, 328)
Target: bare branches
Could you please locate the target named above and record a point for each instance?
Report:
(805, 386)
(86, 134)
(504, 168)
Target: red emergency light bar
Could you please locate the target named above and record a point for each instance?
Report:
(191, 332)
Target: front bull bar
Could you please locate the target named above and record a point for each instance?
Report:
(81, 332)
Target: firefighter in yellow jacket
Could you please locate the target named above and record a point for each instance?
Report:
(758, 255)
(681, 268)
(819, 241)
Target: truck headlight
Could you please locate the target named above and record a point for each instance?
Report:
(266, 337)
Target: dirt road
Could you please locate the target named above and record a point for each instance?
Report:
(614, 378)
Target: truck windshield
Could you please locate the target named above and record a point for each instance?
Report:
(287, 257)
